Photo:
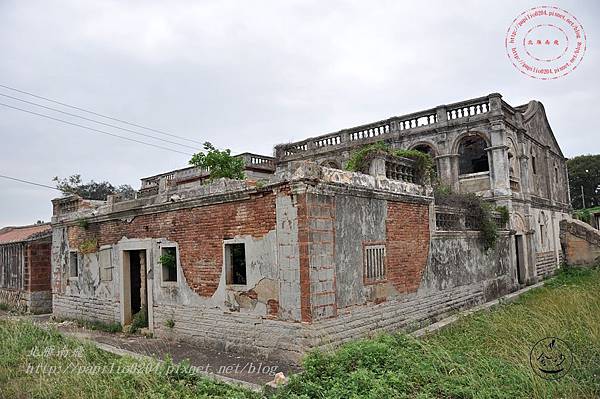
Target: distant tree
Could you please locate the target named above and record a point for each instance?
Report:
(219, 163)
(92, 190)
(584, 171)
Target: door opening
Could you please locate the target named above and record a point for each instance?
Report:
(135, 294)
(520, 259)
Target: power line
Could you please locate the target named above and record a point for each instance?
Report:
(101, 115)
(29, 182)
(95, 130)
(95, 121)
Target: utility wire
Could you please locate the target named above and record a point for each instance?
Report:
(94, 130)
(101, 123)
(29, 182)
(101, 115)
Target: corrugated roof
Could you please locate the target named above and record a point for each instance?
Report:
(23, 233)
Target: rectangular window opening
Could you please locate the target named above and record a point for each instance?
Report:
(168, 261)
(374, 263)
(106, 264)
(235, 262)
(73, 264)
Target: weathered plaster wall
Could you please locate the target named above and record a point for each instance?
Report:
(357, 220)
(458, 259)
(199, 234)
(581, 243)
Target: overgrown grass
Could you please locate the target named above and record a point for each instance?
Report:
(485, 355)
(25, 376)
(97, 325)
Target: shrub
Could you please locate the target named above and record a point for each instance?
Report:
(478, 211)
(359, 158)
(83, 223)
(504, 214)
(88, 246)
(219, 163)
(356, 163)
(168, 260)
(98, 325)
(170, 323)
(584, 215)
(140, 320)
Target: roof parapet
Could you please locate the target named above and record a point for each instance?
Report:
(381, 130)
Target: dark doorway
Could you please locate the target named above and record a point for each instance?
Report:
(520, 259)
(136, 281)
(135, 289)
(236, 263)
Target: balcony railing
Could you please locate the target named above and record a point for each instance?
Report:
(456, 219)
(365, 133)
(150, 185)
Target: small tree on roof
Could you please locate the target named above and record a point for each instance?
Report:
(219, 163)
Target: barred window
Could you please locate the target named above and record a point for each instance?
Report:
(374, 263)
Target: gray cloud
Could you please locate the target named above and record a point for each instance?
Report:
(249, 75)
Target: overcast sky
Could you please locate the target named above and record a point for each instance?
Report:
(247, 75)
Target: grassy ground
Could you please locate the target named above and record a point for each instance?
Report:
(485, 355)
(26, 371)
(482, 356)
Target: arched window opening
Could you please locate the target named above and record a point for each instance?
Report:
(331, 164)
(426, 149)
(473, 157)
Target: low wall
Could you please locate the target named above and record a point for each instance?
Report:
(85, 308)
(238, 332)
(410, 313)
(580, 243)
(34, 302)
(13, 299)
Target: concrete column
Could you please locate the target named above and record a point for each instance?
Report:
(377, 167)
(499, 164)
(442, 114)
(448, 170)
(550, 175)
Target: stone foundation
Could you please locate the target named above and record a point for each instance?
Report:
(82, 308)
(37, 302)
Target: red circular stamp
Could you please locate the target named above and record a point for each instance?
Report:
(545, 42)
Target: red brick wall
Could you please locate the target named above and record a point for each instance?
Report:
(407, 231)
(38, 266)
(198, 231)
(303, 244)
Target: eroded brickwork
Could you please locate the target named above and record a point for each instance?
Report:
(199, 232)
(38, 255)
(407, 230)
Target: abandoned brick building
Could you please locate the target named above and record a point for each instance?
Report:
(25, 267)
(306, 254)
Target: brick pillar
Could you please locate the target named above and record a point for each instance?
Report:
(316, 213)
